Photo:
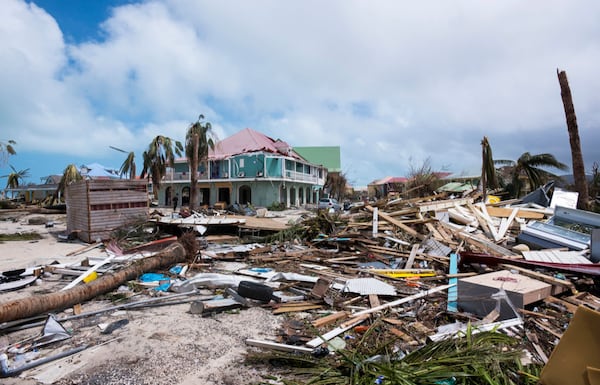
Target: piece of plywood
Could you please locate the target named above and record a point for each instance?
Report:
(578, 349)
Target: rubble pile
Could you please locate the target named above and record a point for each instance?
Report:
(429, 290)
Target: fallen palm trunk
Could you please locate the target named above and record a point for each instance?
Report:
(40, 304)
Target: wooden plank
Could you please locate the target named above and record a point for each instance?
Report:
(397, 223)
(337, 331)
(296, 308)
(505, 212)
(568, 306)
(374, 300)
(444, 204)
(278, 346)
(411, 257)
(329, 319)
(506, 224)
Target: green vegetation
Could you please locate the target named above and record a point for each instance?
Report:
(488, 358)
(20, 237)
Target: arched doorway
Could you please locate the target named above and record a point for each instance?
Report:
(185, 196)
(245, 195)
(293, 196)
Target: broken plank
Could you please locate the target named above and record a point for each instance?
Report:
(411, 257)
(505, 212)
(405, 337)
(337, 331)
(444, 204)
(397, 223)
(374, 300)
(568, 306)
(421, 294)
(547, 328)
(278, 346)
(291, 309)
(329, 319)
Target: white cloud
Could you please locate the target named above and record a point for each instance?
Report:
(387, 81)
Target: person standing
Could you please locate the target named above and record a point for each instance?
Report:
(175, 201)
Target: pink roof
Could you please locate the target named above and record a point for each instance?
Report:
(249, 140)
(390, 179)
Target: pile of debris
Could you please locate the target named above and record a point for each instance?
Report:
(428, 290)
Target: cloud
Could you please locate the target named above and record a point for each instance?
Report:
(391, 83)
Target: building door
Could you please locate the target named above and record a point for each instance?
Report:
(185, 196)
(223, 195)
(204, 196)
(168, 195)
(245, 195)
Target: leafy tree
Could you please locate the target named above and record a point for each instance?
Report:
(529, 167)
(160, 155)
(198, 141)
(15, 178)
(336, 184)
(6, 149)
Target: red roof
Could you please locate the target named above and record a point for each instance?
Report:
(249, 140)
(390, 180)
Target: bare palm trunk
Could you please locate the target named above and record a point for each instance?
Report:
(39, 304)
(576, 155)
(194, 174)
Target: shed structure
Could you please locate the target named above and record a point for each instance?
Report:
(97, 207)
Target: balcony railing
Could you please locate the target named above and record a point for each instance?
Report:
(288, 176)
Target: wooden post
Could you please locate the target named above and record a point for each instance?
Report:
(576, 155)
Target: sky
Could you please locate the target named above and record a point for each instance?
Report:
(396, 84)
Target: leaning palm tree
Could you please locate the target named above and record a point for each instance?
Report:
(198, 141)
(530, 167)
(70, 175)
(6, 148)
(160, 155)
(128, 166)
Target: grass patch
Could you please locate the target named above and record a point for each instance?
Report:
(20, 237)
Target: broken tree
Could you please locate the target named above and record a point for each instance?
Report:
(39, 304)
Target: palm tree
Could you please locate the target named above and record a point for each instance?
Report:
(70, 174)
(530, 167)
(198, 140)
(6, 149)
(160, 155)
(15, 178)
(488, 169)
(128, 166)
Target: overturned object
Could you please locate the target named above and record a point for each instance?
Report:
(576, 358)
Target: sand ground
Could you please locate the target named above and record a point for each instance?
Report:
(158, 345)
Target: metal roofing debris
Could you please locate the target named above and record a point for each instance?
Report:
(366, 286)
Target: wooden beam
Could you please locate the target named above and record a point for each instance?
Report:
(397, 223)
